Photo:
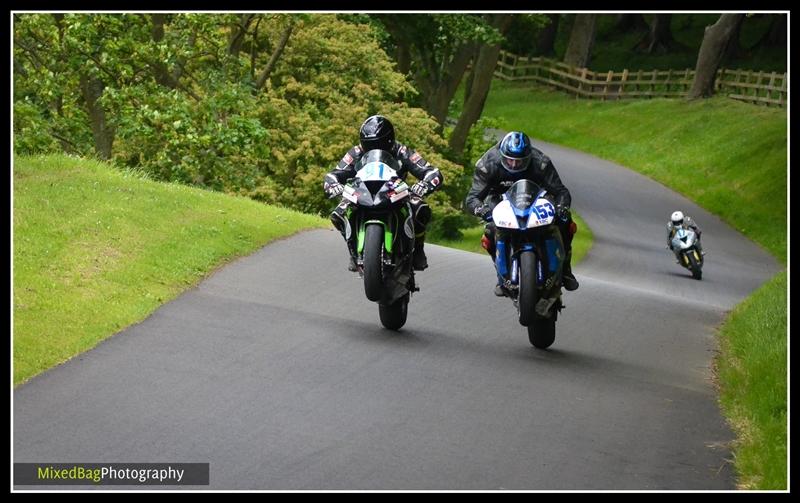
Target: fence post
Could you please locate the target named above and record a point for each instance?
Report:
(622, 83)
(653, 85)
(687, 84)
(666, 83)
(580, 82)
(608, 81)
(638, 81)
(783, 90)
(771, 84)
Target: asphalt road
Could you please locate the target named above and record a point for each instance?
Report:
(277, 372)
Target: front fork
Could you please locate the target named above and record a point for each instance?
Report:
(389, 236)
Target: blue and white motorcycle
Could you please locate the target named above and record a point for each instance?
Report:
(530, 260)
(684, 246)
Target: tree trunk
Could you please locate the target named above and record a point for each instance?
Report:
(581, 40)
(734, 49)
(631, 22)
(276, 54)
(545, 44)
(775, 35)
(483, 70)
(448, 85)
(403, 58)
(238, 32)
(471, 76)
(710, 55)
(659, 38)
(92, 90)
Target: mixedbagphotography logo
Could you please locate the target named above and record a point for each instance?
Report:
(167, 474)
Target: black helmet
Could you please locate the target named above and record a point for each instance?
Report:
(376, 133)
(515, 151)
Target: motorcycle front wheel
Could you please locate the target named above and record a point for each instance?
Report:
(373, 261)
(528, 295)
(694, 265)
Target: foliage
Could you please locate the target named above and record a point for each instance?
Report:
(522, 35)
(182, 106)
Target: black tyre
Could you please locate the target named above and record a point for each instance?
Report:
(542, 332)
(394, 316)
(373, 261)
(694, 265)
(528, 295)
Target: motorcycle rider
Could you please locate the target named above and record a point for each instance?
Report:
(377, 132)
(510, 160)
(677, 219)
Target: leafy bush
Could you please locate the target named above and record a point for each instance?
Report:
(183, 106)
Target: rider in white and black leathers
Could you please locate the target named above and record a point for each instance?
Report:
(377, 132)
(510, 160)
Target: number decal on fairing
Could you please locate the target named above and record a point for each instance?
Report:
(544, 210)
(376, 171)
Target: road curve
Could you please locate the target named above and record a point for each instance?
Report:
(276, 371)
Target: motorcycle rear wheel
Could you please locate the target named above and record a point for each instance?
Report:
(542, 332)
(393, 316)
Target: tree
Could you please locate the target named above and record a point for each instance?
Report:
(775, 34)
(581, 40)
(712, 50)
(734, 48)
(630, 22)
(659, 37)
(545, 43)
(441, 47)
(483, 69)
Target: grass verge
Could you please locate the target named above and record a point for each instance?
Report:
(97, 249)
(752, 370)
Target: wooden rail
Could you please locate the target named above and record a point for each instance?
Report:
(767, 88)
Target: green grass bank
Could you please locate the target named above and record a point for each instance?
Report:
(97, 249)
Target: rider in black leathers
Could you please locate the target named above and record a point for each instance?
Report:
(510, 160)
(377, 132)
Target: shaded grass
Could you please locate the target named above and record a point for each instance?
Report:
(98, 249)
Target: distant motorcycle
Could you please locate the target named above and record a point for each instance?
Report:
(382, 218)
(684, 246)
(535, 253)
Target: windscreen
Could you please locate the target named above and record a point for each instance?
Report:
(521, 194)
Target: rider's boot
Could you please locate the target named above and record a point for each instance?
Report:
(568, 279)
(420, 260)
(352, 266)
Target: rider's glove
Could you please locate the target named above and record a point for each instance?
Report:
(419, 189)
(482, 211)
(335, 189)
(562, 212)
